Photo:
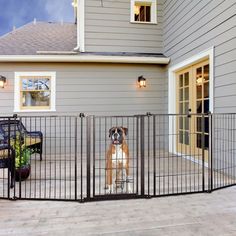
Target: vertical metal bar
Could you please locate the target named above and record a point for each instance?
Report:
(76, 138)
(137, 154)
(9, 158)
(94, 146)
(148, 154)
(203, 152)
(142, 153)
(154, 155)
(88, 131)
(210, 159)
(81, 156)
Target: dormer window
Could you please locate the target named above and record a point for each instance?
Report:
(143, 11)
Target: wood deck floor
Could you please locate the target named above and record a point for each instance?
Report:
(54, 178)
(190, 215)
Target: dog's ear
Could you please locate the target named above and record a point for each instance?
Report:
(125, 130)
(110, 130)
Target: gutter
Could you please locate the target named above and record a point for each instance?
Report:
(85, 59)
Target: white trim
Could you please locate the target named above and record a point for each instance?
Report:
(85, 59)
(17, 90)
(80, 26)
(153, 11)
(192, 159)
(209, 53)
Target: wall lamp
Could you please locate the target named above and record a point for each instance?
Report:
(141, 82)
(3, 81)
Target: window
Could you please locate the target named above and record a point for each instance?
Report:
(143, 11)
(35, 91)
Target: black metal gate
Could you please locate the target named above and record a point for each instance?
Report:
(71, 159)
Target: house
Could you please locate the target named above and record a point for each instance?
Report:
(93, 66)
(186, 51)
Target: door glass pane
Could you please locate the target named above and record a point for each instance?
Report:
(181, 110)
(199, 91)
(181, 123)
(186, 79)
(199, 124)
(206, 90)
(206, 105)
(186, 93)
(181, 91)
(206, 73)
(199, 106)
(206, 142)
(181, 81)
(186, 123)
(186, 107)
(199, 140)
(186, 138)
(206, 124)
(181, 139)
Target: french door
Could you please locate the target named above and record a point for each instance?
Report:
(192, 105)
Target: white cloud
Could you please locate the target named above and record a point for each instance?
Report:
(59, 10)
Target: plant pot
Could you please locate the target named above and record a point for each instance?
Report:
(22, 172)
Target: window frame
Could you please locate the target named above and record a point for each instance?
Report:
(152, 3)
(18, 91)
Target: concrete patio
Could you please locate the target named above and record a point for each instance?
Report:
(197, 214)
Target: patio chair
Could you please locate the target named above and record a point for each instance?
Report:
(7, 160)
(33, 140)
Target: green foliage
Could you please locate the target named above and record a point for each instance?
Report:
(22, 153)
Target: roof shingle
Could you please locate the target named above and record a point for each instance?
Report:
(42, 36)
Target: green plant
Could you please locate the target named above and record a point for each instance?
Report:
(22, 153)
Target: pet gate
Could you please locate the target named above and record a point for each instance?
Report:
(164, 155)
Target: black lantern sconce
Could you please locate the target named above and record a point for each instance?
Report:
(141, 82)
(3, 81)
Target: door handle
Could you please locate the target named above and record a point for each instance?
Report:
(189, 110)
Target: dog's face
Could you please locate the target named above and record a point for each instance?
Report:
(117, 135)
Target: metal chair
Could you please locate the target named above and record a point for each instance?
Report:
(7, 160)
(33, 140)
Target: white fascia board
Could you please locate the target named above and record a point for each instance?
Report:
(86, 59)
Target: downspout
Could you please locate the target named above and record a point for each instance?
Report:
(80, 26)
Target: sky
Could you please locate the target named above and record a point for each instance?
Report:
(20, 12)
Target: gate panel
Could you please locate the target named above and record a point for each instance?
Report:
(114, 165)
(176, 170)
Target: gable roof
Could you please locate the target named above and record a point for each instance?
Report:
(42, 36)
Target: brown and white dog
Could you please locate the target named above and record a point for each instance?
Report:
(117, 160)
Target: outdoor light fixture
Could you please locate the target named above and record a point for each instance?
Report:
(141, 82)
(3, 81)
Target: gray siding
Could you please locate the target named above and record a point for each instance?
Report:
(190, 27)
(108, 29)
(95, 88)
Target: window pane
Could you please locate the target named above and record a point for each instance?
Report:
(24, 84)
(35, 98)
(43, 84)
(148, 14)
(30, 84)
(142, 12)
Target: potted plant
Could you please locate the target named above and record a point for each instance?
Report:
(22, 158)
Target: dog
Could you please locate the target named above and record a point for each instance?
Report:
(117, 160)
